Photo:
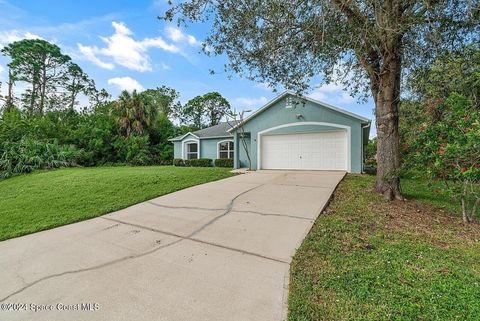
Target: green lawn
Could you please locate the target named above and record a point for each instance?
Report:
(43, 200)
(429, 192)
(367, 259)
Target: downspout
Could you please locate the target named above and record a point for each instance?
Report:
(363, 156)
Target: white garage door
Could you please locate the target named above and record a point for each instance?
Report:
(314, 151)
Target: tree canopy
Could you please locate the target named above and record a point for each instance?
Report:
(288, 42)
(202, 111)
(53, 80)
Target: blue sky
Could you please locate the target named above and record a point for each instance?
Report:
(122, 45)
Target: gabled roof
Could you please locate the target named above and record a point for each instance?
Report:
(217, 131)
(288, 92)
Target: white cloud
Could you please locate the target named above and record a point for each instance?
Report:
(9, 36)
(126, 83)
(3, 90)
(160, 4)
(264, 86)
(249, 103)
(124, 50)
(177, 35)
(89, 54)
(331, 93)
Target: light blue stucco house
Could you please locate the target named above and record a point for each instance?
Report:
(290, 132)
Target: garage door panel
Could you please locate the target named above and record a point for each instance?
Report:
(321, 151)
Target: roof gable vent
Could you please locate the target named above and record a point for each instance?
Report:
(292, 102)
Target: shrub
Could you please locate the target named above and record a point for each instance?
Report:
(200, 162)
(134, 150)
(224, 162)
(447, 148)
(370, 170)
(164, 162)
(370, 166)
(178, 162)
(28, 155)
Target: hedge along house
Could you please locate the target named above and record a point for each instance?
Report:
(290, 132)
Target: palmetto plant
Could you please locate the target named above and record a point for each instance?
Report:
(132, 114)
(28, 155)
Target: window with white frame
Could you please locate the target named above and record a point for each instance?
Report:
(225, 149)
(192, 150)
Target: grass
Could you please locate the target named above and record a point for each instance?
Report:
(43, 200)
(366, 259)
(430, 192)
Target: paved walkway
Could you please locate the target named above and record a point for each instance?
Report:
(218, 251)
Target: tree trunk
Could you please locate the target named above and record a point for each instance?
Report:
(43, 89)
(73, 95)
(465, 217)
(9, 102)
(387, 97)
(33, 96)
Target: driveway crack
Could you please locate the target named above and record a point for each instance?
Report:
(197, 240)
(274, 214)
(232, 210)
(227, 210)
(92, 268)
(130, 257)
(186, 207)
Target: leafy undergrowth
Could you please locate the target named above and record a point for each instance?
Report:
(366, 259)
(43, 200)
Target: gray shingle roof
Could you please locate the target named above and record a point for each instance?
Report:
(219, 130)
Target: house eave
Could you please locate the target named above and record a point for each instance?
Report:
(200, 138)
(182, 137)
(288, 92)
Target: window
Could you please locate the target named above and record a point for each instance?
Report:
(192, 150)
(225, 150)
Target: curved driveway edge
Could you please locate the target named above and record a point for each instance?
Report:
(217, 251)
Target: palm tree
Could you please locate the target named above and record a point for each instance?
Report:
(132, 114)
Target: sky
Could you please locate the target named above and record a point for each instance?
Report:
(122, 45)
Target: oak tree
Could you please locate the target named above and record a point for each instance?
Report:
(203, 111)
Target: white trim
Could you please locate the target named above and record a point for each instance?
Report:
(286, 93)
(189, 142)
(211, 137)
(206, 137)
(223, 141)
(362, 160)
(182, 137)
(348, 129)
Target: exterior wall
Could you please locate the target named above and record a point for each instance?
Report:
(278, 115)
(208, 147)
(177, 149)
(242, 155)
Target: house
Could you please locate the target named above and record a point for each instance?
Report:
(290, 132)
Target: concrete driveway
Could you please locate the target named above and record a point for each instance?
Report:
(218, 251)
